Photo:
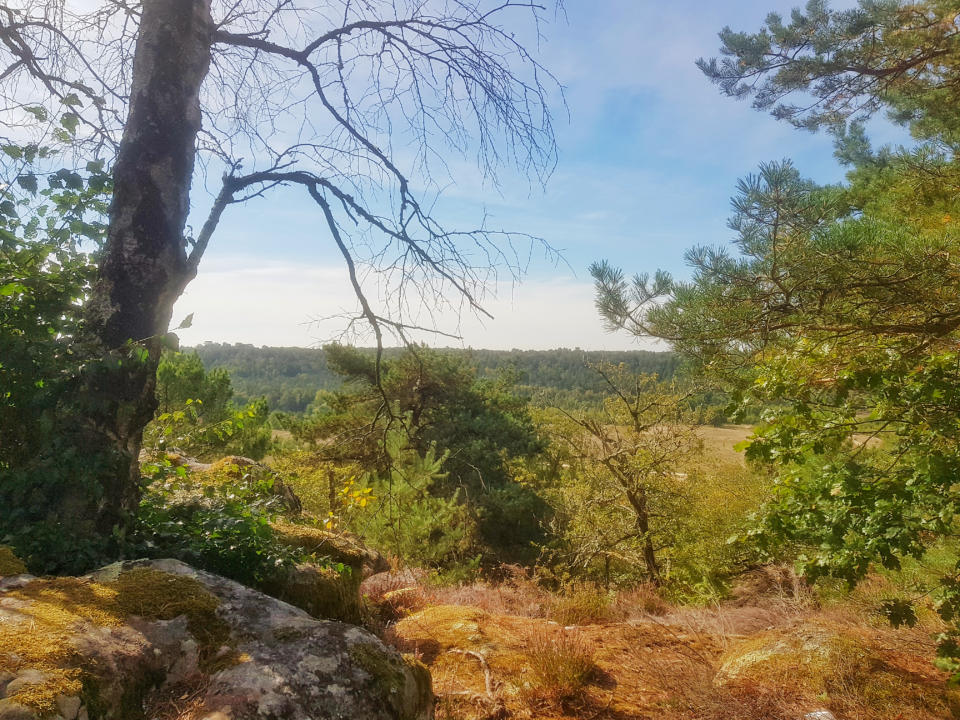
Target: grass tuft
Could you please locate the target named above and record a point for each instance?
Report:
(561, 664)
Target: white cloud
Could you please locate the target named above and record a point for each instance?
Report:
(248, 300)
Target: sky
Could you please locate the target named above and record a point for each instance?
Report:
(650, 153)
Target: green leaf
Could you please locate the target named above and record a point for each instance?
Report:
(70, 121)
(28, 183)
(39, 112)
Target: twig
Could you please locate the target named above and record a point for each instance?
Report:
(497, 709)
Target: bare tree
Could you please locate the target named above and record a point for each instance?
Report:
(356, 103)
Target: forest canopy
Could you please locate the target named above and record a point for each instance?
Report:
(289, 378)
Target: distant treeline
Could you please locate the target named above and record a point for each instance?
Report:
(289, 378)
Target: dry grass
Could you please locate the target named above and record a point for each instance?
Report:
(402, 592)
(581, 604)
(561, 664)
(180, 701)
(651, 660)
(718, 442)
(638, 604)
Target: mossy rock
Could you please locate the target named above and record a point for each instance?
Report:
(402, 682)
(339, 547)
(323, 592)
(843, 665)
(38, 637)
(327, 593)
(111, 637)
(10, 564)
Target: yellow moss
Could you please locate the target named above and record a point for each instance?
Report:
(232, 466)
(448, 626)
(314, 540)
(10, 564)
(37, 634)
(60, 602)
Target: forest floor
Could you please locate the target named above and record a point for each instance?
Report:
(773, 651)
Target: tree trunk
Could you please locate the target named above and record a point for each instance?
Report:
(144, 266)
(638, 501)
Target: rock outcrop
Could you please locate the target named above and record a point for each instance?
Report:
(97, 647)
(326, 592)
(852, 666)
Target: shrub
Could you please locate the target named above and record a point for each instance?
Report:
(582, 604)
(642, 600)
(561, 665)
(196, 413)
(220, 524)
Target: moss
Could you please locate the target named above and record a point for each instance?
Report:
(41, 640)
(10, 564)
(155, 595)
(322, 592)
(231, 466)
(422, 678)
(387, 670)
(327, 544)
(288, 634)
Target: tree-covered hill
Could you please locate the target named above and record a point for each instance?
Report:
(290, 377)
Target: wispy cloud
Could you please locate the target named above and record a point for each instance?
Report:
(649, 159)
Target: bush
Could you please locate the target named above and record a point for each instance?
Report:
(408, 521)
(221, 525)
(582, 604)
(196, 414)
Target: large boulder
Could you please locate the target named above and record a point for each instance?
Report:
(848, 667)
(329, 592)
(97, 647)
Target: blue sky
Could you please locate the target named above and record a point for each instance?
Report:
(649, 157)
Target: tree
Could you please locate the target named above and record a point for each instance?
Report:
(196, 414)
(839, 311)
(349, 78)
(435, 402)
(904, 56)
(45, 272)
(625, 495)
